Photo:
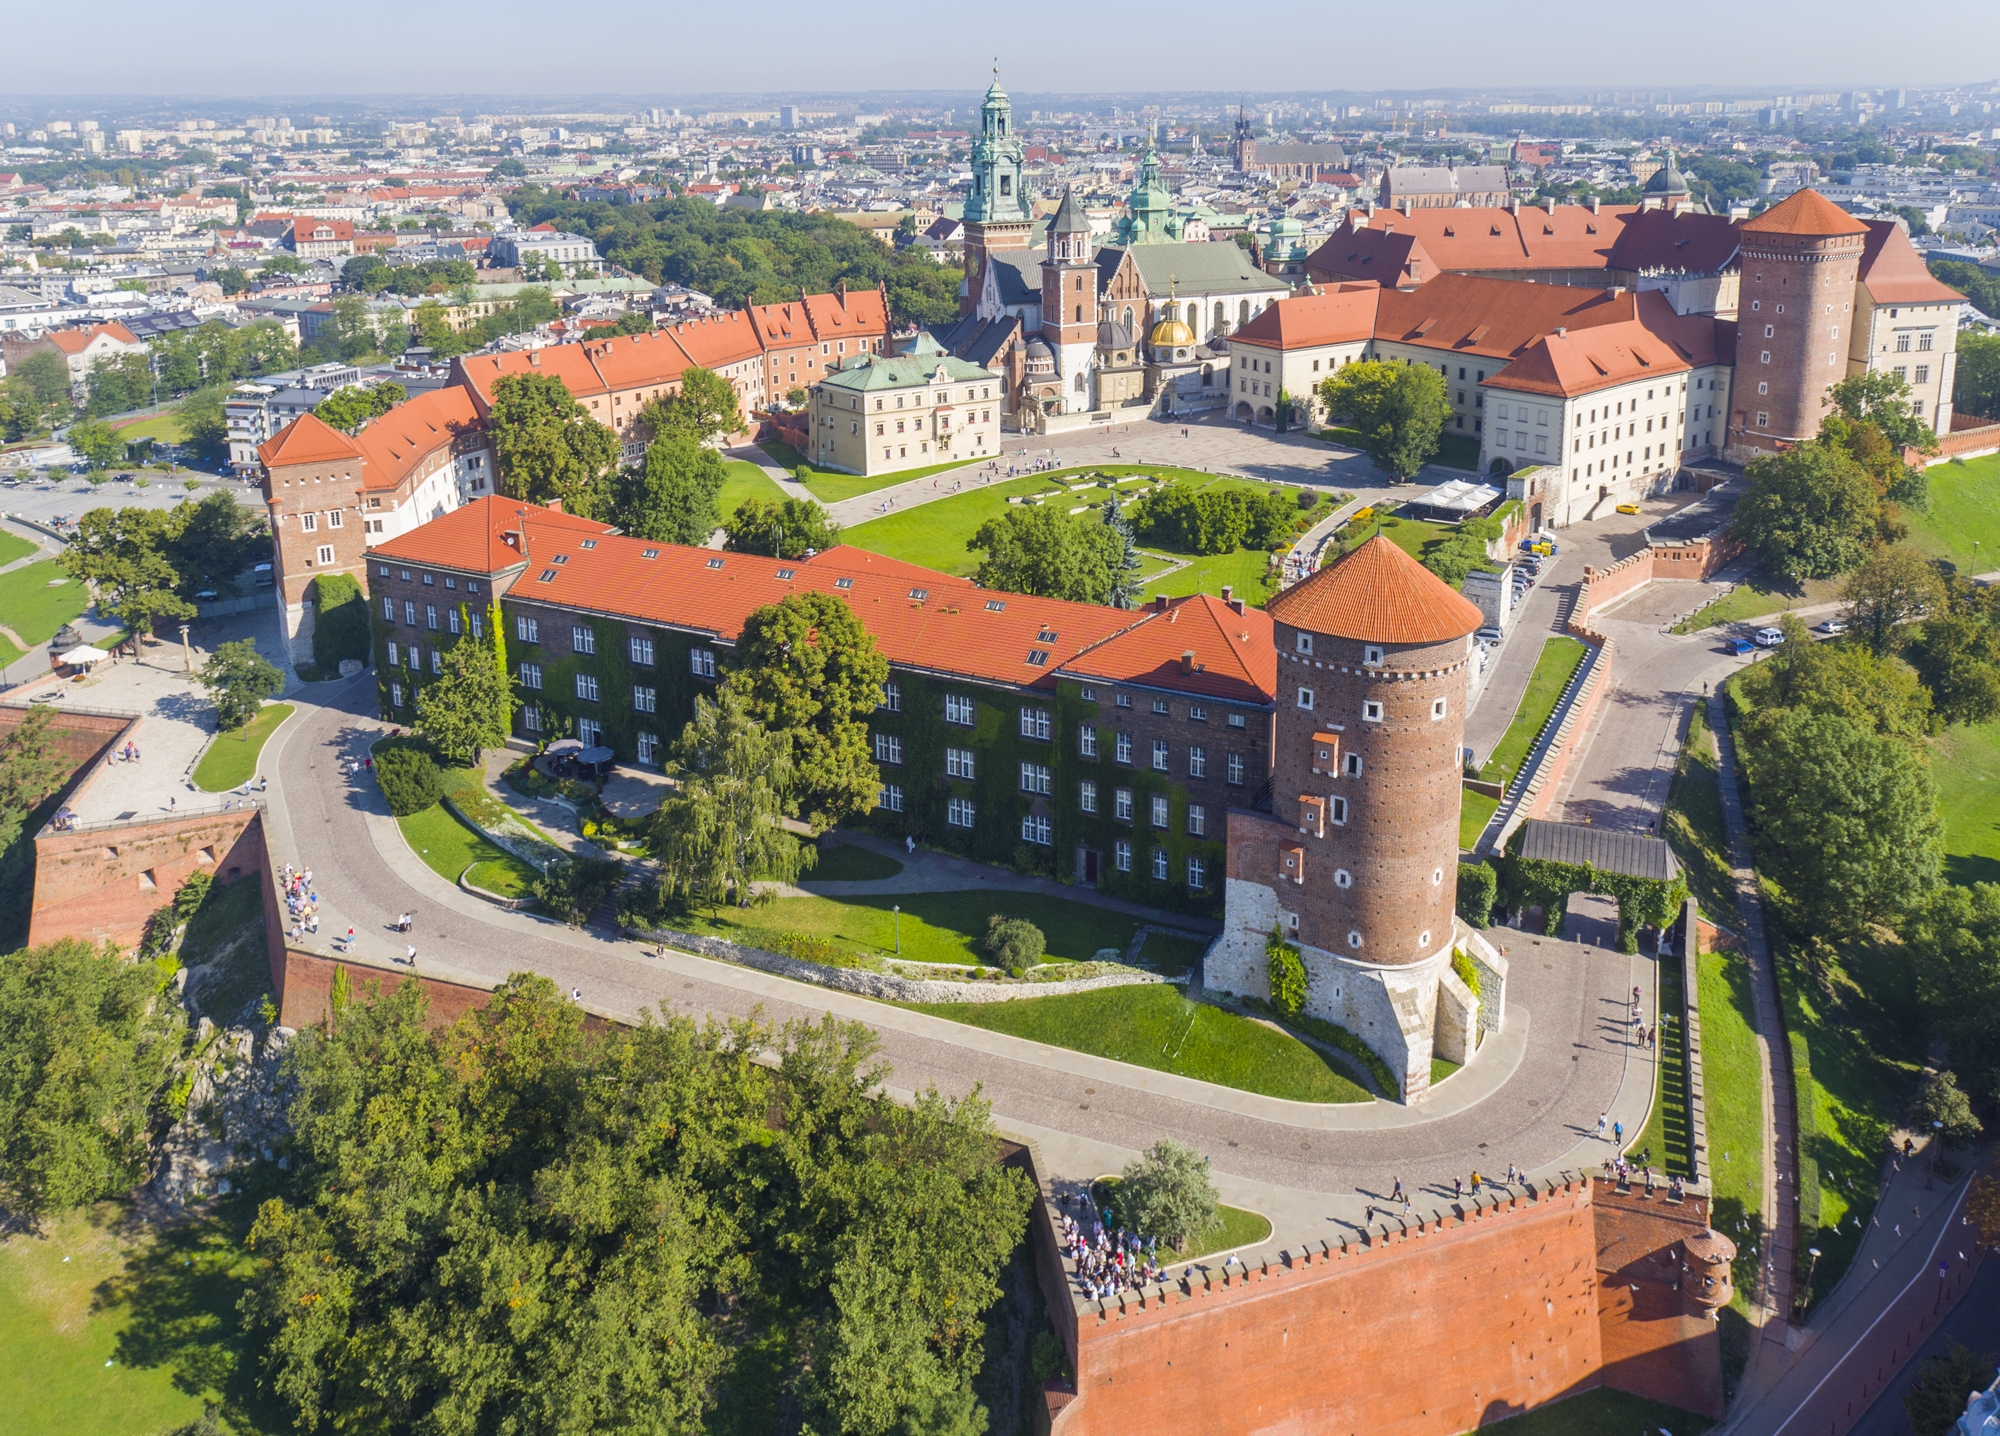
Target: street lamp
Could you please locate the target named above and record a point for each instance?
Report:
(1937, 1142)
(897, 910)
(1805, 1301)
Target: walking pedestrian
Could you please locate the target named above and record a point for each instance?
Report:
(410, 956)
(1397, 1194)
(1601, 1118)
(1618, 1132)
(1457, 1188)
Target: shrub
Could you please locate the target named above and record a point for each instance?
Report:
(1467, 973)
(1288, 974)
(1047, 1356)
(1014, 942)
(409, 779)
(340, 626)
(572, 888)
(1478, 885)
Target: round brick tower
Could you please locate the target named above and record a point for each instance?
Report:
(1367, 757)
(1800, 259)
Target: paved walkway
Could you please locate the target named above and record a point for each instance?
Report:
(1311, 1168)
(1773, 1303)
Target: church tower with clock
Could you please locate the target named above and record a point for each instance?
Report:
(999, 214)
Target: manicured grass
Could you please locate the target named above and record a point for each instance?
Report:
(830, 486)
(1458, 451)
(34, 609)
(112, 1326)
(948, 927)
(1171, 956)
(1443, 1067)
(166, 428)
(744, 481)
(1553, 671)
(448, 847)
(1247, 573)
(845, 863)
(231, 760)
(1666, 1133)
(1760, 596)
(1596, 1413)
(8, 652)
(1234, 1226)
(1964, 508)
(1695, 827)
(1475, 811)
(13, 546)
(1154, 1026)
(1966, 764)
(1733, 1083)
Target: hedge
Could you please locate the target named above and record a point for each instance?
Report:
(340, 629)
(1478, 885)
(409, 780)
(1642, 902)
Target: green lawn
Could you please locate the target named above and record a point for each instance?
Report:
(1966, 764)
(13, 546)
(1757, 597)
(8, 652)
(1154, 1026)
(1234, 1226)
(167, 428)
(830, 486)
(34, 609)
(744, 481)
(1597, 1413)
(113, 1327)
(231, 760)
(1666, 1133)
(1458, 451)
(1964, 511)
(845, 863)
(448, 847)
(1246, 572)
(1171, 956)
(1553, 671)
(1695, 827)
(948, 927)
(1733, 1084)
(1475, 811)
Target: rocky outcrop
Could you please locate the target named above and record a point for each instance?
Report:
(234, 1113)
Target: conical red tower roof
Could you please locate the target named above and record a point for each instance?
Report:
(1805, 211)
(1378, 594)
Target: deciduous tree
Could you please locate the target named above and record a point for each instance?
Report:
(1954, 948)
(546, 445)
(96, 442)
(239, 679)
(671, 497)
(705, 408)
(350, 407)
(1882, 397)
(1806, 513)
(723, 829)
(469, 707)
(788, 528)
(1167, 1193)
(1891, 587)
(1044, 551)
(1399, 410)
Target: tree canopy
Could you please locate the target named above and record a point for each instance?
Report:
(350, 407)
(670, 497)
(1806, 513)
(723, 829)
(147, 564)
(1893, 585)
(786, 528)
(1399, 409)
(545, 444)
(469, 707)
(1044, 550)
(1976, 387)
(513, 1222)
(239, 679)
(704, 408)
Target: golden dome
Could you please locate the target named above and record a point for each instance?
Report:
(1171, 334)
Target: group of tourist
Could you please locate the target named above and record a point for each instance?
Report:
(1108, 1262)
(302, 901)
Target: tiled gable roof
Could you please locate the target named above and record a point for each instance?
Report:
(1194, 645)
(1893, 271)
(399, 440)
(1659, 239)
(308, 439)
(1377, 594)
(1591, 359)
(1338, 316)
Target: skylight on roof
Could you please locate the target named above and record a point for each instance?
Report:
(1047, 635)
(1037, 657)
(786, 572)
(589, 543)
(649, 553)
(996, 605)
(843, 583)
(920, 594)
(560, 558)
(548, 575)
(715, 563)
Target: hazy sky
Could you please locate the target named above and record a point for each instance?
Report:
(644, 48)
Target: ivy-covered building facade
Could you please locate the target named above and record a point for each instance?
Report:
(1101, 746)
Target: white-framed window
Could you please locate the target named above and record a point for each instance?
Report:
(309, 523)
(1035, 830)
(388, 609)
(645, 700)
(1236, 770)
(1034, 778)
(959, 763)
(1437, 709)
(1159, 864)
(586, 687)
(531, 675)
(526, 629)
(1304, 642)
(1371, 711)
(325, 554)
(1354, 939)
(1305, 698)
(478, 627)
(1160, 755)
(393, 660)
(437, 662)
(649, 748)
(1197, 761)
(1122, 749)
(1122, 700)
(1086, 796)
(1035, 723)
(1121, 856)
(1371, 657)
(451, 619)
(1160, 810)
(431, 617)
(531, 719)
(701, 662)
(1437, 877)
(1236, 720)
(590, 731)
(1161, 707)
(1197, 874)
(891, 797)
(960, 813)
(583, 638)
(642, 650)
(958, 710)
(1351, 764)
(1086, 740)
(1337, 809)
(395, 695)
(1197, 820)
(888, 748)
(1121, 804)
(333, 522)
(892, 696)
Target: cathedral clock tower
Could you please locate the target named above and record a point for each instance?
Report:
(999, 214)
(1069, 304)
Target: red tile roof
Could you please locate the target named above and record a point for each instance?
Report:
(411, 432)
(1597, 358)
(1338, 316)
(1659, 239)
(1378, 594)
(1806, 212)
(1498, 318)
(1893, 271)
(1478, 238)
(920, 618)
(75, 341)
(308, 439)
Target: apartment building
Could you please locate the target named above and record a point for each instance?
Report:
(884, 413)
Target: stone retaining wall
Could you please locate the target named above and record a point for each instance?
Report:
(881, 984)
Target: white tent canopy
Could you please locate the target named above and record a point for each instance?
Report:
(1460, 496)
(82, 656)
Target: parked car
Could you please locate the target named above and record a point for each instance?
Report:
(1770, 637)
(263, 573)
(1737, 646)
(1833, 625)
(1628, 508)
(1490, 635)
